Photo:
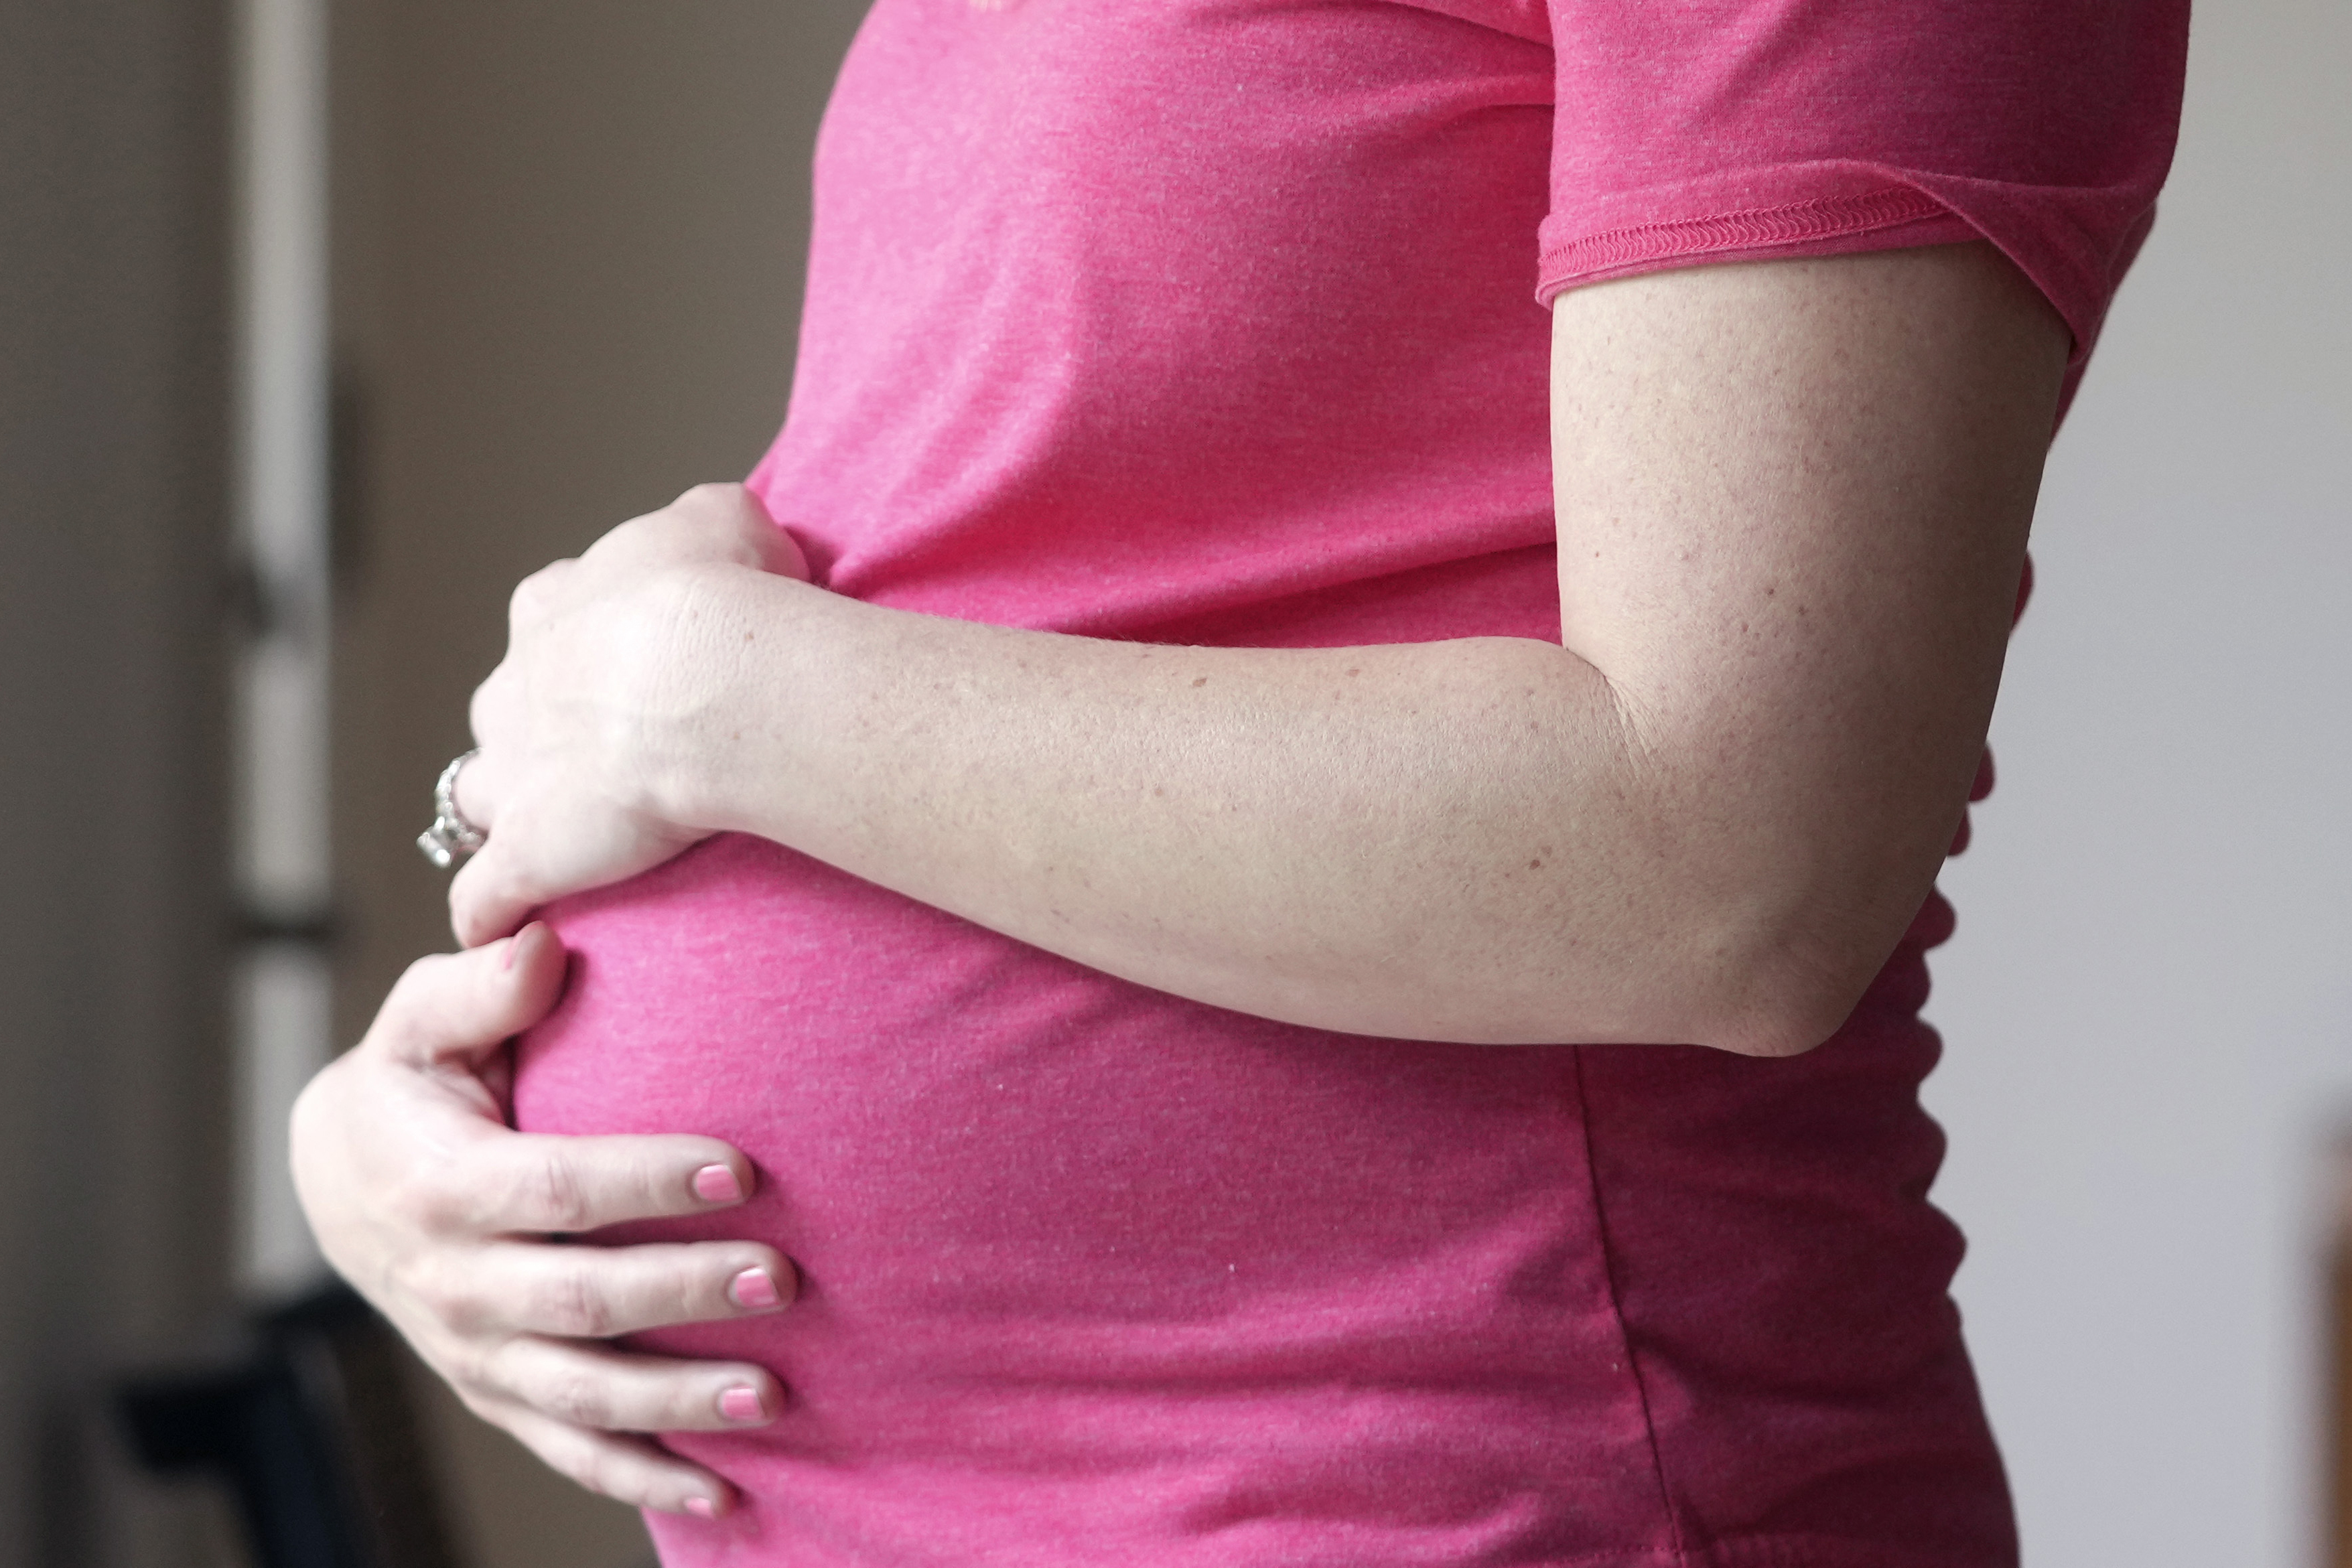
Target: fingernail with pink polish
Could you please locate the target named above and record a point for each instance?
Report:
(742, 1405)
(717, 1184)
(753, 1290)
(701, 1508)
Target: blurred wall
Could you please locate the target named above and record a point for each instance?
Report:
(2148, 1009)
(570, 262)
(113, 918)
(569, 250)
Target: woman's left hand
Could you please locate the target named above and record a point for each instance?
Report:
(602, 697)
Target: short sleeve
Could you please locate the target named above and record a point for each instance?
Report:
(1740, 129)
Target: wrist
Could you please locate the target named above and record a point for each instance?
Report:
(732, 664)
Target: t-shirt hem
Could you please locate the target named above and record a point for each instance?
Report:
(1793, 1552)
(1838, 1552)
(1748, 1552)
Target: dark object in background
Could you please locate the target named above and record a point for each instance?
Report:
(312, 1427)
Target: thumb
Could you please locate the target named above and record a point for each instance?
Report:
(459, 1006)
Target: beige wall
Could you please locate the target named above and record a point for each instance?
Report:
(570, 238)
(114, 924)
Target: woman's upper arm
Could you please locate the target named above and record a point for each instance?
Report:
(1792, 501)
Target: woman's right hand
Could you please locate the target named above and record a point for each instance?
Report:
(451, 1223)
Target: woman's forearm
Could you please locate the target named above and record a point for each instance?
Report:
(1458, 841)
(1792, 504)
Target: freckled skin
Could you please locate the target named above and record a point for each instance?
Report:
(1759, 794)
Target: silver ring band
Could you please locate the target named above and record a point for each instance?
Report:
(451, 838)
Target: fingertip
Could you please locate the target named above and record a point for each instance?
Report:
(744, 1406)
(720, 1183)
(481, 910)
(527, 948)
(472, 928)
(528, 968)
(703, 1496)
(714, 1505)
(462, 921)
(762, 1288)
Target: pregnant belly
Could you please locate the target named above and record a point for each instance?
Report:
(1084, 1261)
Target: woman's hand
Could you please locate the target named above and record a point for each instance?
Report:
(445, 1219)
(599, 704)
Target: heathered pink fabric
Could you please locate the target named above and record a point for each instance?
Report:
(1215, 321)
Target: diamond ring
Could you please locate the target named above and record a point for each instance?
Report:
(451, 838)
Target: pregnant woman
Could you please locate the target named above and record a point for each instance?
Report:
(1263, 901)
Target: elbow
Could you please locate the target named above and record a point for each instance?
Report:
(1776, 953)
(1782, 1025)
(1772, 999)
(1783, 997)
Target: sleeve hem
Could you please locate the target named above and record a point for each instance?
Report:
(1816, 225)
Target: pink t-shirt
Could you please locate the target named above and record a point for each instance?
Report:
(1216, 321)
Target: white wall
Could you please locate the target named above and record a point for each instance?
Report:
(2148, 1011)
